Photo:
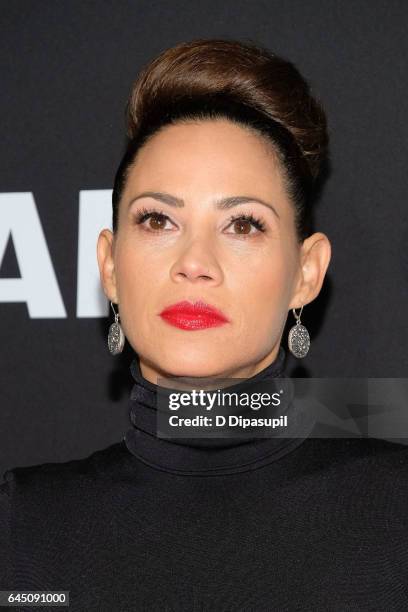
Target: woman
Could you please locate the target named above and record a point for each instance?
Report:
(211, 249)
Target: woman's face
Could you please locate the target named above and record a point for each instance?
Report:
(194, 251)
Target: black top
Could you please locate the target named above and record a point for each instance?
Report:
(270, 524)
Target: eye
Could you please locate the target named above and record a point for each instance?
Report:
(159, 219)
(243, 222)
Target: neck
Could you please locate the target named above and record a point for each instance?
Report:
(210, 456)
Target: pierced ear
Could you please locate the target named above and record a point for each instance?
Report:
(315, 258)
(106, 264)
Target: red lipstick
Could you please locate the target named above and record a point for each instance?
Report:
(191, 316)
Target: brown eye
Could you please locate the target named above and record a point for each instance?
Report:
(152, 220)
(242, 227)
(157, 221)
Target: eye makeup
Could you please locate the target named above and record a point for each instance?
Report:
(146, 213)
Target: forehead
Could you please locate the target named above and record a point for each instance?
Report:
(215, 151)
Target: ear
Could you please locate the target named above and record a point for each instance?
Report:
(105, 251)
(314, 261)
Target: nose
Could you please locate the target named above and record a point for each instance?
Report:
(197, 263)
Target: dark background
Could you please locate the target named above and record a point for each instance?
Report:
(66, 70)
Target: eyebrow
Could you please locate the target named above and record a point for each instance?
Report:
(221, 203)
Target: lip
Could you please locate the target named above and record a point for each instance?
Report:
(193, 315)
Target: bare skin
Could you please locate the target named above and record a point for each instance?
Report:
(196, 252)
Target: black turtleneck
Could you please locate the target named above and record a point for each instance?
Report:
(210, 456)
(291, 522)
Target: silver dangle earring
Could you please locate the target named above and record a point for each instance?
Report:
(298, 339)
(116, 337)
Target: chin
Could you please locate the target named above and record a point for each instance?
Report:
(187, 364)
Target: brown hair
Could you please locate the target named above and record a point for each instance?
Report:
(245, 83)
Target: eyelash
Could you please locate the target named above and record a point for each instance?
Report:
(145, 213)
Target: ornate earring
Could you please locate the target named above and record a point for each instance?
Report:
(298, 339)
(116, 337)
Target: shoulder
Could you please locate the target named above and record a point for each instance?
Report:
(47, 476)
(353, 453)
(383, 461)
(49, 503)
(365, 464)
(372, 469)
(376, 451)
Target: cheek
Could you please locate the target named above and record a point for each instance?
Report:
(136, 270)
(143, 283)
(131, 276)
(262, 284)
(263, 289)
